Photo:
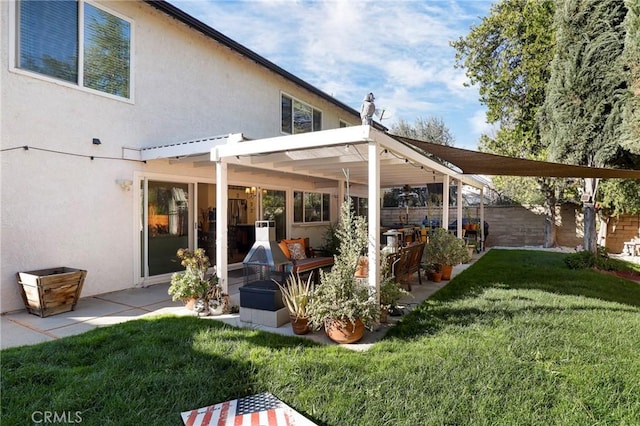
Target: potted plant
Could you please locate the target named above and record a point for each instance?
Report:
(433, 271)
(295, 296)
(390, 293)
(330, 240)
(195, 286)
(341, 303)
(466, 225)
(445, 249)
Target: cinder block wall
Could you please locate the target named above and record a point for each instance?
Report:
(621, 229)
(516, 226)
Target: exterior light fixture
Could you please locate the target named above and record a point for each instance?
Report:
(125, 184)
(251, 192)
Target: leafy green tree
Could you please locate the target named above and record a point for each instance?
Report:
(508, 56)
(617, 196)
(582, 114)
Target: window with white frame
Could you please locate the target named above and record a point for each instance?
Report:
(360, 206)
(311, 207)
(76, 42)
(298, 117)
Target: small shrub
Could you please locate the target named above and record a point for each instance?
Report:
(581, 260)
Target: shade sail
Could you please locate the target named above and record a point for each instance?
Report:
(482, 163)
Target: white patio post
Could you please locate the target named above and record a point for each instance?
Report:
(222, 199)
(481, 230)
(459, 208)
(445, 202)
(374, 218)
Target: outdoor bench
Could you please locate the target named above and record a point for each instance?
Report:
(303, 258)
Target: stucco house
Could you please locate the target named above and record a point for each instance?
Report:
(131, 129)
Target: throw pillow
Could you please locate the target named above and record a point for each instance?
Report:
(296, 250)
(285, 249)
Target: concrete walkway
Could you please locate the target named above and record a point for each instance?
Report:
(21, 328)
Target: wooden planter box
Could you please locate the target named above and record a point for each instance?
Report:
(51, 291)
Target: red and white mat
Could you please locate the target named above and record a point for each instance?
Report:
(262, 409)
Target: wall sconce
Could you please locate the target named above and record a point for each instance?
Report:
(250, 192)
(96, 141)
(125, 184)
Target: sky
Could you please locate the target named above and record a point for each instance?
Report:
(397, 49)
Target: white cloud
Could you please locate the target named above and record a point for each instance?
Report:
(479, 125)
(397, 49)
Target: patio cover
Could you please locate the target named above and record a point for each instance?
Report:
(372, 157)
(482, 163)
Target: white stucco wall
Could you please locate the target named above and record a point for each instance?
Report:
(67, 210)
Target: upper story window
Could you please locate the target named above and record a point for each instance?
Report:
(298, 117)
(76, 42)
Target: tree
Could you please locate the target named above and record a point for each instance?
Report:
(508, 56)
(581, 116)
(431, 129)
(631, 59)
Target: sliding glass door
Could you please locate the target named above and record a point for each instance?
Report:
(168, 219)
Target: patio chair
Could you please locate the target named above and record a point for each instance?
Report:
(409, 263)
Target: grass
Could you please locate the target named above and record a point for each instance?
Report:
(516, 339)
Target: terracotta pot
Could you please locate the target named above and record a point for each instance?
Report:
(299, 325)
(436, 277)
(190, 303)
(361, 272)
(344, 331)
(446, 272)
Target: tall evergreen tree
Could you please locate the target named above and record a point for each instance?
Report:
(631, 58)
(582, 115)
(508, 56)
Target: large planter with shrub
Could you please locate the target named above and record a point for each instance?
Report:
(345, 330)
(342, 303)
(51, 291)
(445, 249)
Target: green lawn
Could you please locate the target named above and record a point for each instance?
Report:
(516, 339)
